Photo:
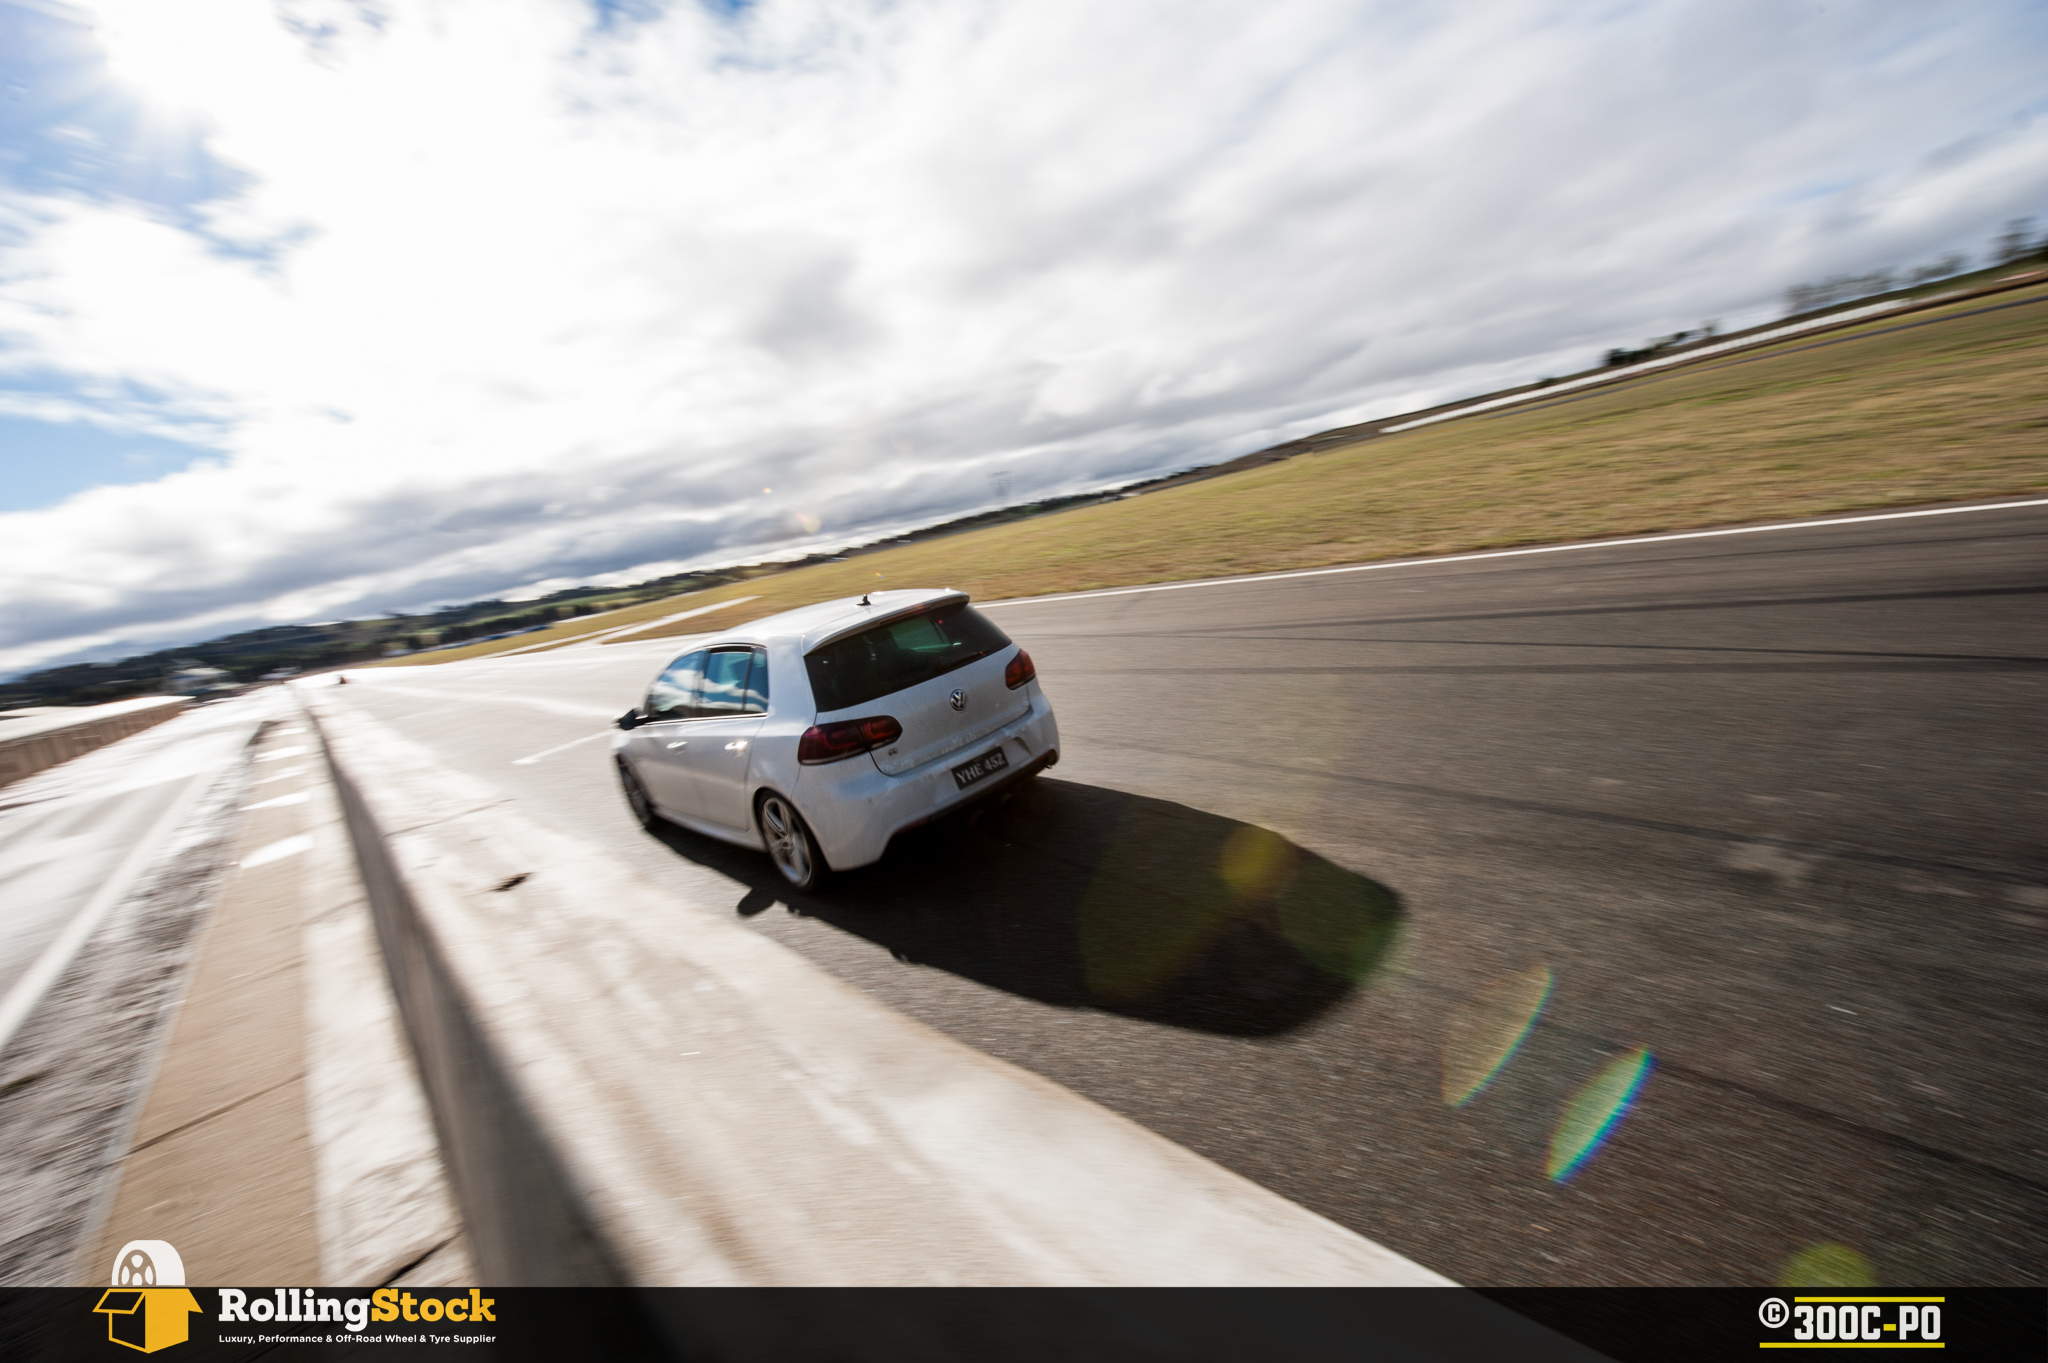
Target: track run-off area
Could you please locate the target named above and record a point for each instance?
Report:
(1658, 911)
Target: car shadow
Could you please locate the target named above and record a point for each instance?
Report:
(1083, 897)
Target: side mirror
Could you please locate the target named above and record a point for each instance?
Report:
(632, 719)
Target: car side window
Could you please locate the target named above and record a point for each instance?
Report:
(674, 693)
(725, 682)
(757, 684)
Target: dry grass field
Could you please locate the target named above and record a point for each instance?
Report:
(1940, 406)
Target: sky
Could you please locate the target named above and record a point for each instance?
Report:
(312, 309)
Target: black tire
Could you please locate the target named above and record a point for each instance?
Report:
(790, 844)
(636, 798)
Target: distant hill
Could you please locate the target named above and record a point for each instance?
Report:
(249, 656)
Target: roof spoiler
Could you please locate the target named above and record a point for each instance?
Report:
(872, 615)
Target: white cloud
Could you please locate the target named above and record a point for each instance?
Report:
(504, 296)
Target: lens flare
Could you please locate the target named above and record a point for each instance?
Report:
(1343, 924)
(1591, 1117)
(1827, 1265)
(1253, 860)
(1485, 1035)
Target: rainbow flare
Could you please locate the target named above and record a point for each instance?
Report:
(1485, 1035)
(1590, 1118)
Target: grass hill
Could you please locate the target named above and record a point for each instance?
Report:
(1940, 405)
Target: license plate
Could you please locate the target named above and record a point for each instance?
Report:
(968, 773)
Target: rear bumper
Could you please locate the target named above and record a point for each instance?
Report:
(982, 790)
(854, 808)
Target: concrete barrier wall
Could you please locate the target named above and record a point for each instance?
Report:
(632, 1089)
(527, 1225)
(36, 740)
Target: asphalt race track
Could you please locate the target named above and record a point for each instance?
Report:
(1647, 914)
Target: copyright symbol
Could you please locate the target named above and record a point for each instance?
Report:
(1774, 1312)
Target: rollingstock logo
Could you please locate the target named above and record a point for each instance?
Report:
(297, 1306)
(149, 1306)
(1852, 1322)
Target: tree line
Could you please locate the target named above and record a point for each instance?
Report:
(2015, 245)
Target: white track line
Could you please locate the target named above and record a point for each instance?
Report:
(559, 747)
(277, 851)
(28, 991)
(553, 707)
(1518, 553)
(597, 636)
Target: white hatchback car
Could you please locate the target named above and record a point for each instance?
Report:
(821, 733)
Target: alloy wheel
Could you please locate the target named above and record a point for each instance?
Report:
(789, 844)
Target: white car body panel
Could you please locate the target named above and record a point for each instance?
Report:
(859, 807)
(930, 721)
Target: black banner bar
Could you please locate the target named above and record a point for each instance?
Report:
(994, 1325)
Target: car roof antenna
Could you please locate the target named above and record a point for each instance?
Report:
(864, 599)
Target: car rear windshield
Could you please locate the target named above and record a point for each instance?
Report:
(899, 653)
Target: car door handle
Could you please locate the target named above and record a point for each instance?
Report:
(737, 745)
(679, 743)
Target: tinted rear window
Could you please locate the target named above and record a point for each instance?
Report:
(899, 653)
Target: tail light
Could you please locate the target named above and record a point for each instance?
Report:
(846, 738)
(1019, 671)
